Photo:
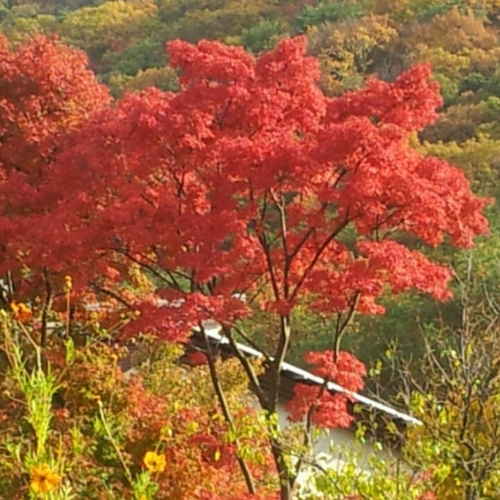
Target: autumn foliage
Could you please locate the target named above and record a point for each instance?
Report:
(249, 180)
(199, 180)
(169, 412)
(46, 90)
(326, 409)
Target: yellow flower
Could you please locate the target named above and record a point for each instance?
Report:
(68, 283)
(154, 462)
(44, 479)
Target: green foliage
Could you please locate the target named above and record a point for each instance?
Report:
(473, 82)
(263, 36)
(408, 11)
(449, 88)
(142, 55)
(327, 11)
(110, 25)
(431, 9)
(164, 78)
(478, 157)
(460, 439)
(192, 20)
(25, 21)
(385, 480)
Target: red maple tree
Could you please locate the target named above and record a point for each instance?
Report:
(46, 90)
(250, 180)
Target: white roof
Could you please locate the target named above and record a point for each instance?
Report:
(212, 329)
(332, 386)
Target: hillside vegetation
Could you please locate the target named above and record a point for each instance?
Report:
(353, 39)
(339, 214)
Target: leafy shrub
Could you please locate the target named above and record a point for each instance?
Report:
(75, 426)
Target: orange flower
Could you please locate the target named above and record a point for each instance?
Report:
(21, 311)
(44, 479)
(154, 462)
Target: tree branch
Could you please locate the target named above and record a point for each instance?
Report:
(225, 408)
(46, 307)
(318, 254)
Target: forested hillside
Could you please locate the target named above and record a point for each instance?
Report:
(353, 39)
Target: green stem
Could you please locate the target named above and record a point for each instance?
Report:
(115, 446)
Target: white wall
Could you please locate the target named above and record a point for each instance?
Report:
(338, 447)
